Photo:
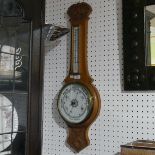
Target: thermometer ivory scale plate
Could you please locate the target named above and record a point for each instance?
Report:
(79, 100)
(76, 48)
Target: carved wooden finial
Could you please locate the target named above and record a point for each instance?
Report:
(79, 11)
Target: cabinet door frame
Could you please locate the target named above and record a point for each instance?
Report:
(34, 10)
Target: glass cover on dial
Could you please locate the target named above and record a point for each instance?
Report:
(74, 103)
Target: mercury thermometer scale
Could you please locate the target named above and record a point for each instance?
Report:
(75, 36)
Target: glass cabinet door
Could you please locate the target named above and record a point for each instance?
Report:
(14, 55)
(15, 64)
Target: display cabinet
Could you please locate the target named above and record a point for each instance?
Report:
(21, 63)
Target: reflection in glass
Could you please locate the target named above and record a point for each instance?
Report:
(9, 61)
(14, 72)
(150, 34)
(14, 55)
(13, 123)
(9, 122)
(10, 8)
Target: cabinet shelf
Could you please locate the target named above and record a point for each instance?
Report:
(14, 54)
(9, 133)
(14, 92)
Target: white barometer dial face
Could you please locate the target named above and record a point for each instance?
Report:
(74, 103)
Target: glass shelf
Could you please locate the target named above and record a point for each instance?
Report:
(22, 131)
(17, 92)
(14, 54)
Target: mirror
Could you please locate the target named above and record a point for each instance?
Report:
(139, 44)
(150, 34)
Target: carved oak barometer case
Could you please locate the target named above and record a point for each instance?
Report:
(79, 100)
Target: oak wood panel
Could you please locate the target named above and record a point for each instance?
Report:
(129, 151)
(139, 147)
(34, 11)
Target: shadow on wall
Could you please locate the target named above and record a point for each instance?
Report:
(56, 116)
(58, 119)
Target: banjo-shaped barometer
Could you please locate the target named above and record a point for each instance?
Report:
(79, 100)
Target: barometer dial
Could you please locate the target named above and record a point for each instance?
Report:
(75, 103)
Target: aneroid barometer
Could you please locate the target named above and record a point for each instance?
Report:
(79, 100)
